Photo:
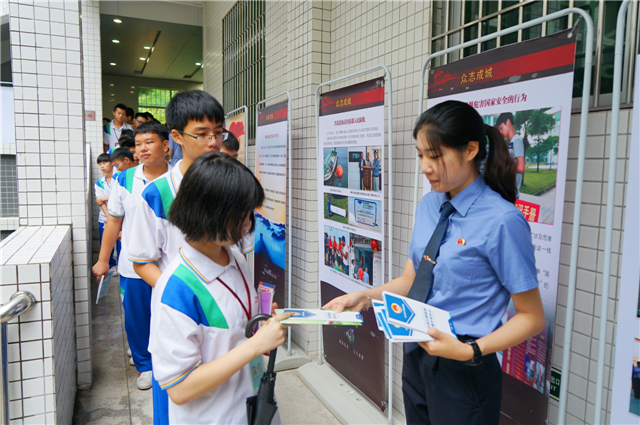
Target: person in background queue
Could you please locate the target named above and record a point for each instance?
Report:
(470, 253)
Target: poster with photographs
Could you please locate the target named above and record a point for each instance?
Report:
(270, 241)
(625, 399)
(503, 85)
(351, 242)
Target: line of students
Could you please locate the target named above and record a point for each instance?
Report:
(186, 284)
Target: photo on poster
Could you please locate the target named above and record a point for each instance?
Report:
(336, 249)
(638, 313)
(365, 213)
(336, 170)
(532, 137)
(336, 208)
(366, 259)
(634, 396)
(365, 168)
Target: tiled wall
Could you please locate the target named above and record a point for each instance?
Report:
(41, 350)
(46, 58)
(311, 42)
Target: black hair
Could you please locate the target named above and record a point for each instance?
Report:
(192, 105)
(130, 112)
(104, 157)
(149, 115)
(231, 142)
(126, 132)
(106, 119)
(126, 141)
(502, 119)
(152, 127)
(216, 196)
(140, 114)
(454, 124)
(122, 153)
(120, 106)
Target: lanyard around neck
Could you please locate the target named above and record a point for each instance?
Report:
(247, 312)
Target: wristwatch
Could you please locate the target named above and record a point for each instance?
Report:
(477, 354)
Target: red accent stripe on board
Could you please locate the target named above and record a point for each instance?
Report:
(333, 104)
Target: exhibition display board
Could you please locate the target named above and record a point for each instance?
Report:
(625, 402)
(237, 124)
(351, 187)
(503, 84)
(271, 219)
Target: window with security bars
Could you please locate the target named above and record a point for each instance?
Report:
(456, 22)
(243, 48)
(8, 186)
(155, 101)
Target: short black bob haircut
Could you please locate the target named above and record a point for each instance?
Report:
(121, 154)
(152, 127)
(194, 105)
(216, 196)
(120, 106)
(231, 141)
(103, 157)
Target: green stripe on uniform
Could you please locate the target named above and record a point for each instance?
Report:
(209, 306)
(165, 194)
(130, 174)
(99, 182)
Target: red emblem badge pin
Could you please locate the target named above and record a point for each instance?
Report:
(461, 241)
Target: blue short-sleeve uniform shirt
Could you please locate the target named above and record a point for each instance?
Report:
(486, 255)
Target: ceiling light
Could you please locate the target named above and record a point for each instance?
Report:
(143, 59)
(115, 41)
(131, 91)
(112, 64)
(198, 63)
(110, 85)
(147, 47)
(117, 21)
(112, 94)
(133, 87)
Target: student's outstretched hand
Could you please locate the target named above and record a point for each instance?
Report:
(355, 301)
(270, 335)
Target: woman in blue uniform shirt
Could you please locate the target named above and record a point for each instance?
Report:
(470, 253)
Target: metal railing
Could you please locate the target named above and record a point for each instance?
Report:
(19, 303)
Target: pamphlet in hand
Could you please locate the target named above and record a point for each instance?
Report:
(396, 333)
(303, 316)
(103, 288)
(412, 314)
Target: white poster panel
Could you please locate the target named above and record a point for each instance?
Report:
(504, 86)
(625, 402)
(351, 185)
(270, 240)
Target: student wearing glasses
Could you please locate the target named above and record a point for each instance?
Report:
(470, 253)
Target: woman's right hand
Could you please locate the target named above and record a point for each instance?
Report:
(270, 335)
(355, 301)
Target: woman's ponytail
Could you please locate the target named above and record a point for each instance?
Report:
(500, 170)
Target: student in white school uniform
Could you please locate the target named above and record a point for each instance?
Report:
(204, 298)
(151, 148)
(113, 130)
(102, 189)
(195, 118)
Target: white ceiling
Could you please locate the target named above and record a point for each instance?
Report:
(177, 50)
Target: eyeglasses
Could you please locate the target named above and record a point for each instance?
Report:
(219, 135)
(139, 122)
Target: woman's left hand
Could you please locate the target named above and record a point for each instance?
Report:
(447, 346)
